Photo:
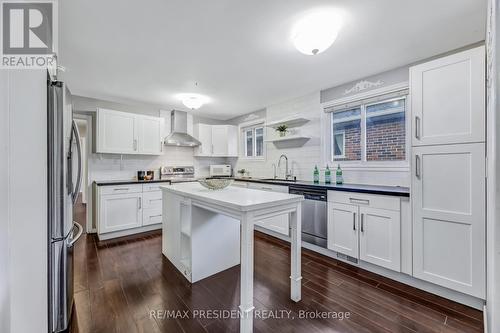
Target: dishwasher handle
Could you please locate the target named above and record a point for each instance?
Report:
(309, 194)
(316, 197)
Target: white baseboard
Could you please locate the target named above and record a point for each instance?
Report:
(121, 233)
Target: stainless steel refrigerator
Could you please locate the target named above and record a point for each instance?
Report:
(64, 181)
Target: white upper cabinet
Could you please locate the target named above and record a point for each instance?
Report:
(128, 133)
(448, 193)
(204, 135)
(448, 99)
(149, 135)
(217, 140)
(116, 132)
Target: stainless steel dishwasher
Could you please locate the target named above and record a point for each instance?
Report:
(314, 214)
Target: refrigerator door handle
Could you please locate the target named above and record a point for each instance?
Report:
(74, 129)
(78, 235)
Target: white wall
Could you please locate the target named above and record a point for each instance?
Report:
(4, 204)
(23, 201)
(493, 182)
(303, 158)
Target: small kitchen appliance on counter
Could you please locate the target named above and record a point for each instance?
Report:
(178, 174)
(220, 170)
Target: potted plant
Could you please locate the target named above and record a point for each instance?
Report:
(282, 129)
(242, 173)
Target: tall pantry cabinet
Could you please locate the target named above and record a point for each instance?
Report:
(448, 171)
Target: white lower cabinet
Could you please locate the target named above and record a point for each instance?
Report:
(127, 209)
(342, 229)
(278, 223)
(369, 231)
(380, 237)
(120, 212)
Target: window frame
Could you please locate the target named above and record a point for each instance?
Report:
(243, 129)
(363, 163)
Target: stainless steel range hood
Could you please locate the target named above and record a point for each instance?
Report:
(179, 135)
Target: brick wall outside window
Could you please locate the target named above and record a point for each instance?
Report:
(385, 140)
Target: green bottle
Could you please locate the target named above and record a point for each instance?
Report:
(338, 175)
(316, 174)
(328, 175)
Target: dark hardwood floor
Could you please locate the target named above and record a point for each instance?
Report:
(120, 283)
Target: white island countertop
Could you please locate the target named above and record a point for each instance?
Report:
(193, 218)
(233, 197)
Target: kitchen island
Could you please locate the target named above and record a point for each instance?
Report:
(205, 232)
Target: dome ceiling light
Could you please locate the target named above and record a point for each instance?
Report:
(193, 101)
(316, 31)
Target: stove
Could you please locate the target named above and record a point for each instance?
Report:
(177, 174)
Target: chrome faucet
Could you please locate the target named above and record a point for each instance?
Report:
(287, 173)
(274, 171)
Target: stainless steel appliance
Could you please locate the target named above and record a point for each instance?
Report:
(314, 214)
(179, 135)
(220, 170)
(63, 189)
(177, 174)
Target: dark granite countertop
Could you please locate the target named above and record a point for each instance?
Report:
(372, 189)
(129, 181)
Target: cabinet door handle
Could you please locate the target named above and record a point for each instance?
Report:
(354, 221)
(417, 127)
(363, 201)
(212, 149)
(362, 222)
(121, 189)
(418, 171)
(266, 188)
(135, 144)
(140, 203)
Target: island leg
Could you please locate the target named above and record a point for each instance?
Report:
(246, 285)
(295, 235)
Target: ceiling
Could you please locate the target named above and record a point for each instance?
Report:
(240, 53)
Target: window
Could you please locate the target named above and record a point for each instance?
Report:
(373, 131)
(347, 135)
(339, 144)
(253, 141)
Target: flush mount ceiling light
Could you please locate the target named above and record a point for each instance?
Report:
(316, 31)
(193, 101)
